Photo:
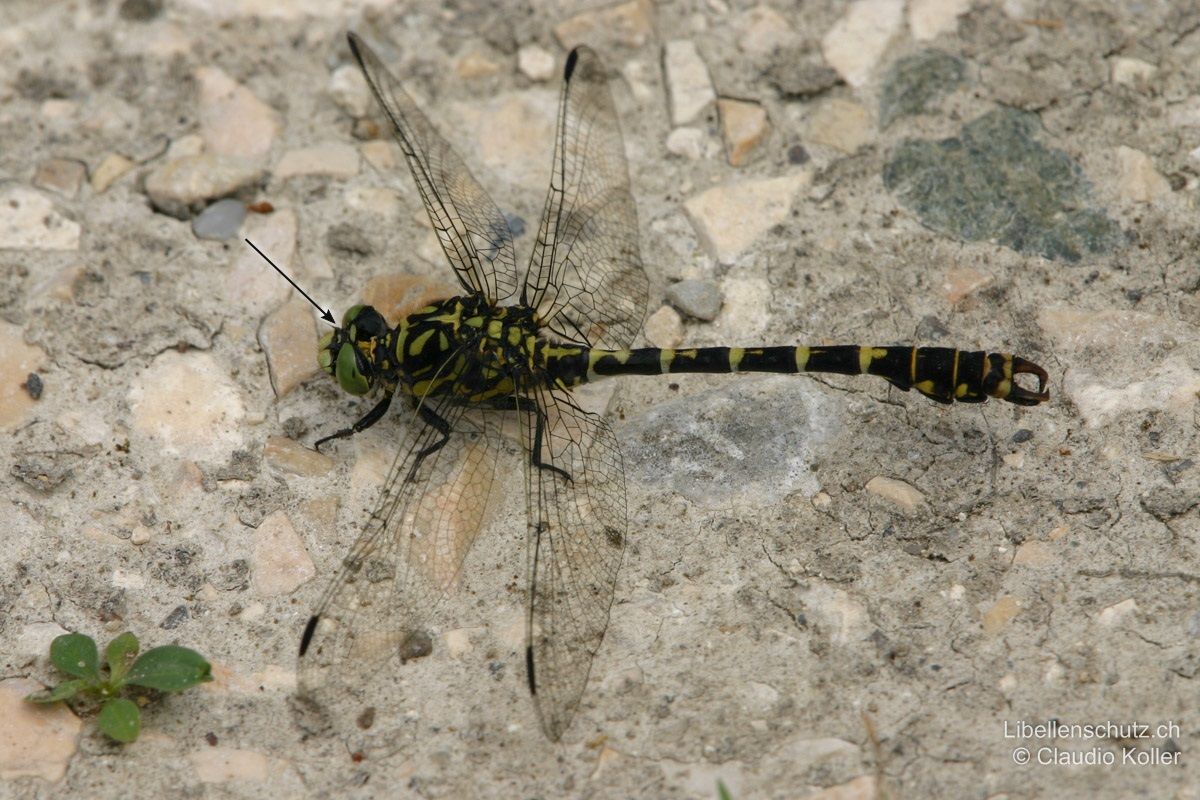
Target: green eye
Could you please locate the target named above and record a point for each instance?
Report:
(349, 376)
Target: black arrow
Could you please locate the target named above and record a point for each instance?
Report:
(325, 315)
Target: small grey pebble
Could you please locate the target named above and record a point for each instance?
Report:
(699, 299)
(140, 10)
(175, 618)
(348, 241)
(796, 154)
(33, 385)
(220, 221)
(1023, 435)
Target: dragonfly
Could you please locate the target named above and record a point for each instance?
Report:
(508, 351)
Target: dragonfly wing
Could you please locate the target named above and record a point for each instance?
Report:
(409, 554)
(577, 523)
(586, 277)
(473, 233)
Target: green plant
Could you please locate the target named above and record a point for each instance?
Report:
(166, 669)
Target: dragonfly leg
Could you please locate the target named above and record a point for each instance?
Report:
(535, 454)
(368, 419)
(430, 418)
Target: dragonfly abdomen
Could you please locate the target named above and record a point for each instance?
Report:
(943, 374)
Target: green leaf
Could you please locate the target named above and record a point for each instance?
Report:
(120, 654)
(120, 719)
(63, 691)
(75, 654)
(169, 669)
(722, 791)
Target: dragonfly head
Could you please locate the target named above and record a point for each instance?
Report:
(346, 352)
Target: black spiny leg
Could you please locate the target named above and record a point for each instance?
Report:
(368, 419)
(433, 420)
(535, 454)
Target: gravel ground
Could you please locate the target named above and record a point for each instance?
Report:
(831, 588)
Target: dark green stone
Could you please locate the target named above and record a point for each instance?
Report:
(916, 80)
(997, 182)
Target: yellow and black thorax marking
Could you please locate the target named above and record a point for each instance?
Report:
(464, 346)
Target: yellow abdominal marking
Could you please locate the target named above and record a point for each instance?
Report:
(801, 358)
(735, 358)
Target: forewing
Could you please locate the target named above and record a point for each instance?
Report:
(408, 555)
(472, 231)
(586, 277)
(577, 525)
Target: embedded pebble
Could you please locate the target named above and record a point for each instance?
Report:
(458, 642)
(864, 787)
(29, 221)
(220, 221)
(691, 143)
(856, 42)
(764, 30)
(638, 78)
(1131, 71)
(961, 282)
(289, 342)
(373, 200)
(140, 10)
(744, 126)
(902, 494)
(225, 764)
(182, 186)
(36, 741)
(745, 297)
(233, 121)
(664, 328)
(730, 218)
(280, 563)
(476, 65)
(16, 359)
(141, 534)
(379, 153)
(535, 63)
(62, 175)
(801, 79)
(1172, 386)
(251, 284)
(929, 19)
(841, 124)
(845, 617)
(699, 299)
(996, 618)
(335, 159)
(187, 404)
(1118, 613)
(688, 83)
(349, 90)
(1140, 181)
(288, 455)
(628, 24)
(190, 145)
(109, 172)
(1021, 89)
(1033, 554)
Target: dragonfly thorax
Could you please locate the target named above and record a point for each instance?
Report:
(479, 349)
